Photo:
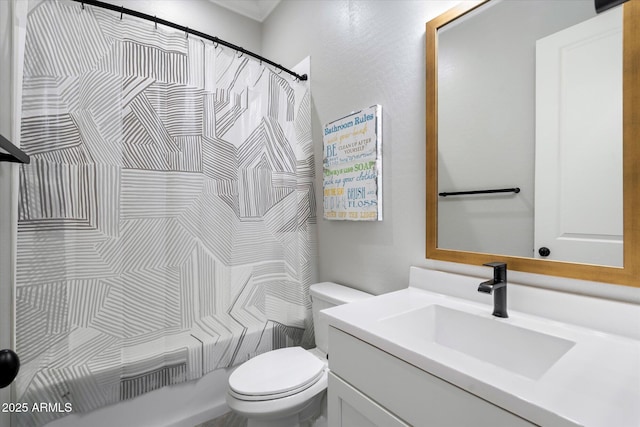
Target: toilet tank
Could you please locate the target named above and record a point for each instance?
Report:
(326, 295)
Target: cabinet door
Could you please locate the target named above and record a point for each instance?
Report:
(348, 407)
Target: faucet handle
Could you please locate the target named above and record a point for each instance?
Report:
(499, 271)
(496, 264)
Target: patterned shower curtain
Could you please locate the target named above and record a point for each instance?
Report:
(166, 222)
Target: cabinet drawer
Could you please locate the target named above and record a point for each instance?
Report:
(348, 408)
(410, 393)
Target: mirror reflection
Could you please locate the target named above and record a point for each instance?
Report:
(530, 97)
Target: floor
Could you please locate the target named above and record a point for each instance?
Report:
(232, 420)
(227, 420)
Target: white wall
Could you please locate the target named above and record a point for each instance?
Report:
(366, 52)
(8, 179)
(5, 180)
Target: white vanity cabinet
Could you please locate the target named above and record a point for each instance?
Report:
(369, 387)
(349, 407)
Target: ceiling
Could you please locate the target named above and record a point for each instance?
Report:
(254, 9)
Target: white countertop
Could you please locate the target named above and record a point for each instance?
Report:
(596, 383)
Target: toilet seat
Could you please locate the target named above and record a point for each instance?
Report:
(276, 374)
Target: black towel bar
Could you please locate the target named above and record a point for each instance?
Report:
(463, 193)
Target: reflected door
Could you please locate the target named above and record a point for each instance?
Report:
(578, 194)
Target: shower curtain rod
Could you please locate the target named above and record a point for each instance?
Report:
(187, 30)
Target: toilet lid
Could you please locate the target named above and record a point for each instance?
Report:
(276, 372)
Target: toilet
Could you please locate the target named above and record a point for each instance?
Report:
(286, 387)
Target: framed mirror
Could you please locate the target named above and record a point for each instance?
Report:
(533, 116)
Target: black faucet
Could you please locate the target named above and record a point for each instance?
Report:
(498, 287)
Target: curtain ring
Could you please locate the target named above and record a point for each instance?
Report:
(215, 45)
(241, 53)
(279, 71)
(121, 12)
(186, 32)
(155, 21)
(82, 5)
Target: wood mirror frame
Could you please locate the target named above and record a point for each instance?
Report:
(629, 274)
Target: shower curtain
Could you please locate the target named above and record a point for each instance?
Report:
(166, 221)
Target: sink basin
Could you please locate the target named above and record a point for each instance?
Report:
(522, 351)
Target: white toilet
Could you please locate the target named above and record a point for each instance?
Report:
(286, 387)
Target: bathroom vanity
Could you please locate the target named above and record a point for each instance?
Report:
(367, 386)
(425, 356)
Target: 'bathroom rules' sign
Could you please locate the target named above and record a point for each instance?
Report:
(352, 166)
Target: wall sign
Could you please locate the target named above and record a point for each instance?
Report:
(352, 166)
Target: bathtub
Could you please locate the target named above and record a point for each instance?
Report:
(182, 405)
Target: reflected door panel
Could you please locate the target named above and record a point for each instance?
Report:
(578, 168)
